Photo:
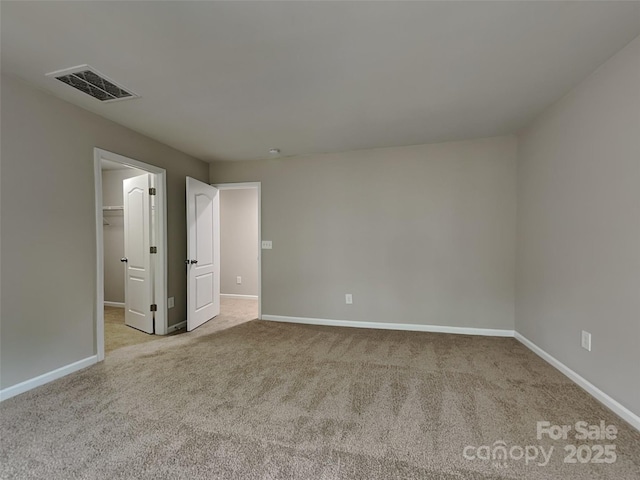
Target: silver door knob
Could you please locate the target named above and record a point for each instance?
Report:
(124, 259)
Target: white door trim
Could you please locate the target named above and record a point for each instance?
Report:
(160, 280)
(257, 186)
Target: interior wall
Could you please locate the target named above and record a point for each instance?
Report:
(239, 241)
(421, 235)
(579, 228)
(113, 233)
(48, 226)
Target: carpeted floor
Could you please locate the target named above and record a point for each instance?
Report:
(117, 334)
(266, 400)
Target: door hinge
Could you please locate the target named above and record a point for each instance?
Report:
(153, 249)
(152, 190)
(154, 307)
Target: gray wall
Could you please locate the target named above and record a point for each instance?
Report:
(48, 226)
(422, 234)
(579, 228)
(239, 241)
(114, 232)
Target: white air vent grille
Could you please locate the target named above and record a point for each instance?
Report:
(88, 80)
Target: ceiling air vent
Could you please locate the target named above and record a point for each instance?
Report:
(88, 80)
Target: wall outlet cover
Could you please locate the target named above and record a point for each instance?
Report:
(267, 245)
(171, 302)
(348, 298)
(239, 280)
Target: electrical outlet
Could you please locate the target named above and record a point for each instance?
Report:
(267, 245)
(238, 280)
(171, 302)
(586, 340)
(348, 298)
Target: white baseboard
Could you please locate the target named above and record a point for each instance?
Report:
(177, 326)
(413, 327)
(594, 391)
(46, 377)
(114, 304)
(233, 295)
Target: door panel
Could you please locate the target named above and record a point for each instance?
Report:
(204, 225)
(204, 291)
(138, 276)
(203, 251)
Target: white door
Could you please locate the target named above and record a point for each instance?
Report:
(203, 253)
(138, 286)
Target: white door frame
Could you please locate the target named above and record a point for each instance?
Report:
(160, 269)
(258, 187)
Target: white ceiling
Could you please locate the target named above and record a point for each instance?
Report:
(229, 80)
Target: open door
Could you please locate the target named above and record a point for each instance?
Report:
(137, 258)
(203, 252)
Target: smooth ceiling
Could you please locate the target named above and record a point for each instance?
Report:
(229, 80)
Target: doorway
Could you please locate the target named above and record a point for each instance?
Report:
(240, 245)
(130, 246)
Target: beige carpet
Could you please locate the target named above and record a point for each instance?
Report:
(117, 334)
(264, 400)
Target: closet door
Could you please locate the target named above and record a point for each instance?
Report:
(137, 256)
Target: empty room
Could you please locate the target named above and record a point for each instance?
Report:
(320, 240)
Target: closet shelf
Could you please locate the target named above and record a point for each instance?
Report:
(111, 208)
